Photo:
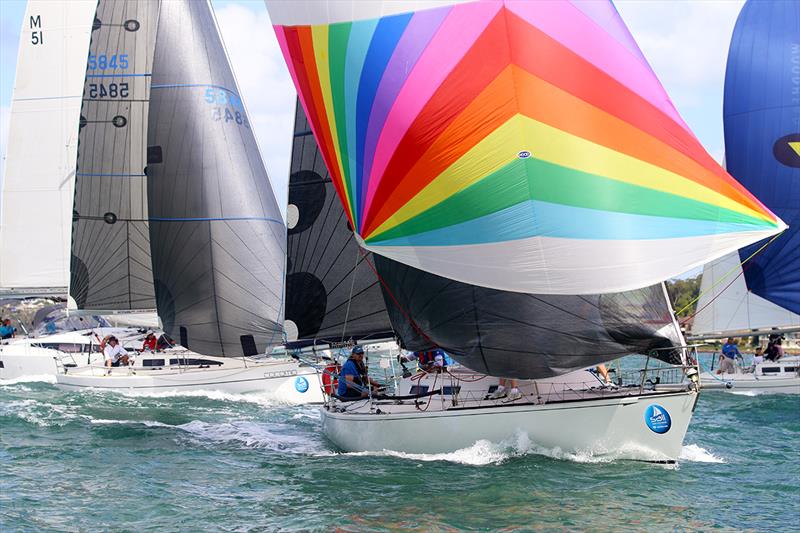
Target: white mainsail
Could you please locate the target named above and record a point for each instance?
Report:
(35, 222)
(726, 306)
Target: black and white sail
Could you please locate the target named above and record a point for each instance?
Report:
(332, 292)
(526, 335)
(216, 233)
(110, 267)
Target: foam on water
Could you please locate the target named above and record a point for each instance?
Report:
(260, 398)
(46, 378)
(695, 454)
(484, 452)
(275, 437)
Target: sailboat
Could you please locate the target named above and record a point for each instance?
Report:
(501, 165)
(153, 226)
(40, 171)
(755, 292)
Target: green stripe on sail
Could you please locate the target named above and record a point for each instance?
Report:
(534, 179)
(338, 37)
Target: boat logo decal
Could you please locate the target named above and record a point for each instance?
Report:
(657, 419)
(524, 154)
(787, 150)
(301, 384)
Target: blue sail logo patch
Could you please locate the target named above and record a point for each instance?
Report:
(657, 419)
(301, 384)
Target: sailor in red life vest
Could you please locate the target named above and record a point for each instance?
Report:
(427, 360)
(150, 343)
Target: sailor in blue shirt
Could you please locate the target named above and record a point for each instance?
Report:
(6, 329)
(353, 377)
(727, 364)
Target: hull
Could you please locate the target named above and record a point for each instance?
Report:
(38, 363)
(285, 381)
(750, 383)
(615, 427)
(781, 377)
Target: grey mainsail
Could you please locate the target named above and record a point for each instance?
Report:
(110, 265)
(216, 233)
(332, 293)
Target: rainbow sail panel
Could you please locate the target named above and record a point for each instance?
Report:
(521, 146)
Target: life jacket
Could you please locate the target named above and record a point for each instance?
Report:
(330, 378)
(428, 357)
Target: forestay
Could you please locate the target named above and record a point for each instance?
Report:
(111, 267)
(332, 293)
(216, 233)
(516, 145)
(42, 142)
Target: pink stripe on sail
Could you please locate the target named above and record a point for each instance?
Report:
(568, 25)
(459, 31)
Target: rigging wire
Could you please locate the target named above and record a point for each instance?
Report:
(722, 279)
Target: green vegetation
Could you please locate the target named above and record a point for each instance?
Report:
(683, 293)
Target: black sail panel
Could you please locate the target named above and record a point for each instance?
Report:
(216, 233)
(111, 267)
(332, 292)
(524, 335)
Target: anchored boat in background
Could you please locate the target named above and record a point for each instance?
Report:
(740, 295)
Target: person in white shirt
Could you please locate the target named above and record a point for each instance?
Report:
(758, 358)
(115, 355)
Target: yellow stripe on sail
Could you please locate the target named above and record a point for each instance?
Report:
(555, 146)
(319, 36)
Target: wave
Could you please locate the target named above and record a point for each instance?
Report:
(485, 452)
(260, 398)
(46, 378)
(274, 437)
(695, 454)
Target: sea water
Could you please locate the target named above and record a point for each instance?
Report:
(99, 461)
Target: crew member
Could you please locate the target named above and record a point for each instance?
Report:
(115, 355)
(427, 360)
(726, 360)
(353, 376)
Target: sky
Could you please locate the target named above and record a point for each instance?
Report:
(686, 43)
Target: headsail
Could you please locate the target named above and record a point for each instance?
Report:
(332, 293)
(522, 146)
(111, 267)
(526, 335)
(42, 143)
(762, 144)
(216, 233)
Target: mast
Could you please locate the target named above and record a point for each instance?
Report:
(43, 138)
(216, 233)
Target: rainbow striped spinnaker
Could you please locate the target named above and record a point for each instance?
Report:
(522, 146)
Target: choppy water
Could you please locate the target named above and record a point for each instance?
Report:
(89, 461)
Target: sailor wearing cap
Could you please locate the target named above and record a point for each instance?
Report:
(353, 376)
(115, 355)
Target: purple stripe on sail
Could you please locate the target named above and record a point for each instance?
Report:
(415, 39)
(605, 15)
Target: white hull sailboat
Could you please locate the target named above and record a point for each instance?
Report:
(177, 370)
(37, 358)
(781, 376)
(569, 415)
